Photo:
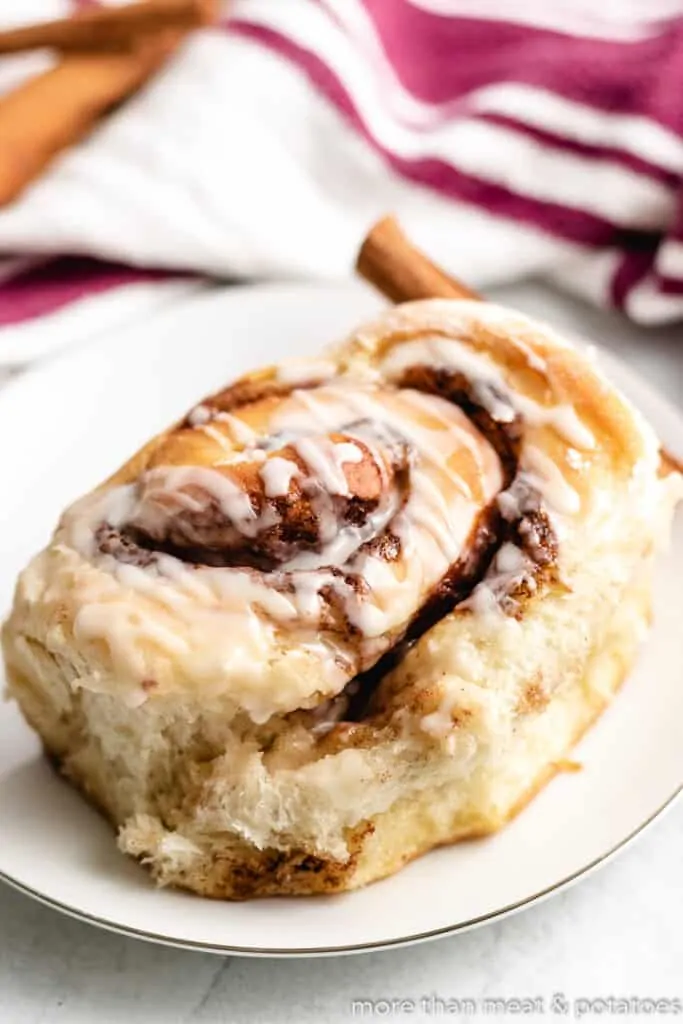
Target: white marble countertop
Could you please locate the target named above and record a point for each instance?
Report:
(617, 934)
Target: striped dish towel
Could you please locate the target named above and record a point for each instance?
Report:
(510, 138)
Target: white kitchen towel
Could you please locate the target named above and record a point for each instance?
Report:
(509, 139)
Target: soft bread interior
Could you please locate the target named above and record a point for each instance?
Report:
(194, 797)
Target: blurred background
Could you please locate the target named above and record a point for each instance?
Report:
(152, 149)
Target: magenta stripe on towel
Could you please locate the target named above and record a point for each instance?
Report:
(420, 45)
(669, 285)
(599, 153)
(45, 288)
(565, 222)
(634, 265)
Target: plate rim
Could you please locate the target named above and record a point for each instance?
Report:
(311, 952)
(272, 290)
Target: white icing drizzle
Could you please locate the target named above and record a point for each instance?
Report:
(239, 431)
(346, 451)
(562, 418)
(477, 367)
(302, 371)
(497, 408)
(484, 602)
(509, 568)
(326, 461)
(231, 429)
(534, 361)
(439, 723)
(510, 560)
(540, 471)
(118, 505)
(419, 432)
(345, 542)
(537, 470)
(509, 504)
(431, 513)
(198, 416)
(432, 523)
(435, 412)
(440, 352)
(449, 459)
(453, 471)
(546, 476)
(277, 475)
(312, 412)
(166, 485)
(216, 435)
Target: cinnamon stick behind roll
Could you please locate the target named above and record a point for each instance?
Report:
(398, 269)
(390, 262)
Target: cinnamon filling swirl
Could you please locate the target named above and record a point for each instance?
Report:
(352, 495)
(275, 504)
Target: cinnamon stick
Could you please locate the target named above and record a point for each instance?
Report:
(670, 463)
(55, 109)
(389, 261)
(109, 27)
(399, 270)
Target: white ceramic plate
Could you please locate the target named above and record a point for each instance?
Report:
(70, 423)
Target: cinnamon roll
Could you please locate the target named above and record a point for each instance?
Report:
(349, 608)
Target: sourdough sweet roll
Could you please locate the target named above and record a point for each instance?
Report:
(349, 608)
